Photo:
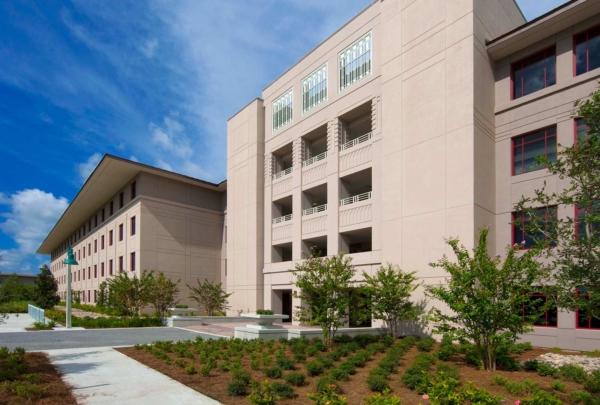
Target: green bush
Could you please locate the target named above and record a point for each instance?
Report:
(531, 365)
(44, 326)
(314, 367)
(584, 397)
(546, 370)
(558, 386)
(273, 372)
(237, 387)
(377, 382)
(416, 377)
(23, 389)
(13, 307)
(264, 312)
(104, 322)
(283, 390)
(541, 397)
(328, 395)
(446, 349)
(382, 399)
(573, 372)
(263, 394)
(295, 378)
(516, 387)
(12, 363)
(284, 363)
(444, 389)
(479, 396)
(425, 344)
(327, 382)
(592, 382)
(190, 369)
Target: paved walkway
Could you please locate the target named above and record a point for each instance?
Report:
(64, 339)
(15, 323)
(102, 375)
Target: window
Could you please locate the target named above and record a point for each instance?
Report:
(584, 319)
(132, 261)
(121, 200)
(314, 89)
(586, 50)
(132, 226)
(89, 249)
(110, 267)
(95, 245)
(84, 274)
(282, 110)
(110, 237)
(582, 223)
(89, 273)
(133, 190)
(534, 73)
(101, 242)
(120, 263)
(528, 230)
(95, 271)
(102, 269)
(546, 314)
(528, 148)
(111, 208)
(120, 232)
(84, 251)
(355, 62)
(95, 295)
(581, 129)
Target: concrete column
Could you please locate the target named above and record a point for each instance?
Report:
(333, 187)
(297, 199)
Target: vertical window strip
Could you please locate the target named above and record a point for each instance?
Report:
(282, 110)
(314, 89)
(355, 62)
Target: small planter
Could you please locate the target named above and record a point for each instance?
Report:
(265, 321)
(182, 311)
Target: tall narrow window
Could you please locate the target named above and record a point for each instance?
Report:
(585, 320)
(537, 307)
(527, 150)
(120, 263)
(587, 221)
(121, 200)
(120, 232)
(95, 245)
(101, 242)
(132, 261)
(132, 225)
(527, 230)
(282, 110)
(314, 89)
(587, 50)
(95, 271)
(133, 189)
(110, 237)
(110, 267)
(534, 73)
(355, 62)
(581, 129)
(102, 269)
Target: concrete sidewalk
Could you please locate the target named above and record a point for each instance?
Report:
(102, 375)
(16, 323)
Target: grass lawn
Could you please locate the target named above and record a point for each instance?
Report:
(358, 368)
(27, 378)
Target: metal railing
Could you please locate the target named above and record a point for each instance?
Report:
(314, 159)
(36, 313)
(356, 141)
(356, 198)
(282, 173)
(283, 218)
(314, 210)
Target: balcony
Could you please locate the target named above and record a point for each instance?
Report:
(282, 173)
(314, 210)
(355, 137)
(314, 159)
(281, 219)
(314, 149)
(356, 198)
(355, 202)
(356, 141)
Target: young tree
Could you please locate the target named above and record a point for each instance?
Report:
(571, 245)
(46, 289)
(162, 294)
(11, 289)
(324, 291)
(128, 295)
(210, 296)
(390, 290)
(486, 297)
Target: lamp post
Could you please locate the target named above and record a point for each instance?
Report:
(70, 259)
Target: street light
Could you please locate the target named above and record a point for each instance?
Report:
(69, 260)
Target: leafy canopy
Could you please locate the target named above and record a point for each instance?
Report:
(211, 297)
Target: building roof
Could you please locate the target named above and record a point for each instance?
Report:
(542, 27)
(109, 176)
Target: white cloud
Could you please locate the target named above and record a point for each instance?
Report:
(86, 168)
(148, 48)
(31, 215)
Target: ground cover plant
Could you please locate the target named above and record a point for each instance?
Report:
(371, 370)
(30, 378)
(58, 316)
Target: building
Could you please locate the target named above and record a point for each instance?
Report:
(130, 217)
(416, 121)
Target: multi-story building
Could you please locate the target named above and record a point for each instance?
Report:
(417, 121)
(129, 217)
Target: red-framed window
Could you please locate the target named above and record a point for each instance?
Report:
(581, 223)
(528, 148)
(533, 73)
(583, 319)
(580, 128)
(586, 51)
(546, 315)
(523, 230)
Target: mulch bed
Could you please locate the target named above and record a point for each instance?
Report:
(54, 389)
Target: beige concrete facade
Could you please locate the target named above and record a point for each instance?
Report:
(432, 159)
(166, 223)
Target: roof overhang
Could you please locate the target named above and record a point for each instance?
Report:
(546, 25)
(110, 176)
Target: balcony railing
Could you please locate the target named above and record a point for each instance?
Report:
(314, 159)
(356, 141)
(281, 219)
(314, 210)
(356, 198)
(282, 173)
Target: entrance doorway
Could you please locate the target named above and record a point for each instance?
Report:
(286, 304)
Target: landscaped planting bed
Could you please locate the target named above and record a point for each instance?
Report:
(58, 316)
(27, 378)
(362, 370)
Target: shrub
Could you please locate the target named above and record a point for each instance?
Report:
(546, 370)
(340, 373)
(237, 387)
(262, 394)
(531, 365)
(13, 307)
(24, 389)
(479, 396)
(446, 349)
(283, 390)
(514, 387)
(264, 312)
(314, 367)
(44, 326)
(285, 363)
(295, 378)
(585, 398)
(327, 382)
(273, 372)
(541, 397)
(573, 372)
(377, 382)
(416, 377)
(444, 389)
(382, 399)
(425, 344)
(328, 396)
(592, 382)
(12, 364)
(558, 386)
(190, 369)
(472, 355)
(319, 345)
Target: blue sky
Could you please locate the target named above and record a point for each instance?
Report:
(152, 81)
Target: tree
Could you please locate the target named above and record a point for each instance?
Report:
(571, 246)
(486, 297)
(11, 289)
(128, 295)
(210, 296)
(46, 289)
(390, 290)
(324, 291)
(162, 294)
